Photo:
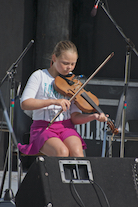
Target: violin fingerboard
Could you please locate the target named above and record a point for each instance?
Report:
(91, 102)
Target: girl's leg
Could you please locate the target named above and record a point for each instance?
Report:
(74, 145)
(55, 147)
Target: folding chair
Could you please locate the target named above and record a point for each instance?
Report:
(21, 126)
(131, 117)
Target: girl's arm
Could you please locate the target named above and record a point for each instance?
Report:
(78, 118)
(33, 104)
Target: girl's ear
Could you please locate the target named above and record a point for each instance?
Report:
(51, 63)
(53, 58)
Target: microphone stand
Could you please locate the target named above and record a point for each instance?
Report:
(8, 197)
(130, 47)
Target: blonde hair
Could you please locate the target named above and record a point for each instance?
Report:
(64, 46)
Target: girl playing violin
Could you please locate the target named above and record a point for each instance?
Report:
(61, 138)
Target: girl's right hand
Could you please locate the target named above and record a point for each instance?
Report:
(64, 103)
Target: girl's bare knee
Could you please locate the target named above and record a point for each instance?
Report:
(63, 152)
(78, 152)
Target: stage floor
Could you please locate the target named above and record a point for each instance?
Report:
(14, 182)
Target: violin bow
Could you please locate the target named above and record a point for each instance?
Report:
(83, 85)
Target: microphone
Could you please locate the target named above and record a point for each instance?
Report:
(94, 10)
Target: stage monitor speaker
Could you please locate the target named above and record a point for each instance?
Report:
(72, 182)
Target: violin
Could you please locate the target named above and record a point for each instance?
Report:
(69, 85)
(85, 101)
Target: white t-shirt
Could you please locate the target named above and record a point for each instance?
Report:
(40, 86)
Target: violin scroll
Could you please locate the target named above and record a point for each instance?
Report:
(112, 127)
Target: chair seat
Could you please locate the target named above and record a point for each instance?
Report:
(38, 154)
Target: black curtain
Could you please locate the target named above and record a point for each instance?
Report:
(96, 37)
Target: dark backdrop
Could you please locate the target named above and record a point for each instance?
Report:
(96, 37)
(47, 22)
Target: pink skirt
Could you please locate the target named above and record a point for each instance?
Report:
(39, 134)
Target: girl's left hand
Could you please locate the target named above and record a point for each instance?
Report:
(102, 117)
